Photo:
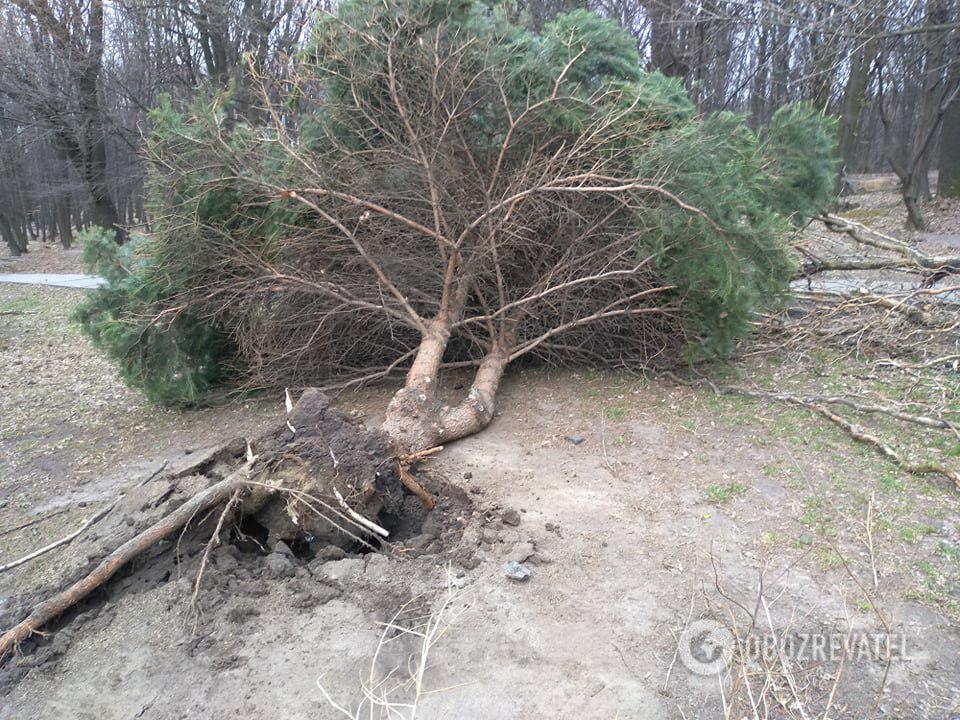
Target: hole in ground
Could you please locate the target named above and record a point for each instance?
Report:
(250, 536)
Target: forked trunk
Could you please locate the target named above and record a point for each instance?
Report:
(415, 419)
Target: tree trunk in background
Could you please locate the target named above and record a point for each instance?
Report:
(14, 240)
(948, 179)
(64, 230)
(759, 92)
(854, 97)
(935, 94)
(92, 159)
(666, 54)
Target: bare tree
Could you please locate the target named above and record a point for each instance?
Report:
(937, 89)
(56, 78)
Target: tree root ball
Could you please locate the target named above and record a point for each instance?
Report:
(301, 471)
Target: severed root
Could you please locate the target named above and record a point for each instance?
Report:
(48, 610)
(411, 484)
(404, 462)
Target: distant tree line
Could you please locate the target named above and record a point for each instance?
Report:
(78, 77)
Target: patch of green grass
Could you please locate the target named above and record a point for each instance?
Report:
(718, 493)
(890, 482)
(21, 305)
(771, 470)
(815, 517)
(884, 524)
(795, 483)
(951, 552)
(840, 483)
(915, 533)
(616, 412)
(827, 558)
(25, 446)
(773, 537)
(866, 215)
(937, 586)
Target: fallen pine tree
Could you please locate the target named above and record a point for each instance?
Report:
(441, 188)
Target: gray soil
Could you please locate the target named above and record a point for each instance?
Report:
(639, 507)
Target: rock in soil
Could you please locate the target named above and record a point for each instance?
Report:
(521, 552)
(340, 570)
(330, 552)
(516, 571)
(279, 565)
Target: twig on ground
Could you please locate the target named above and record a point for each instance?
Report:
(873, 558)
(386, 692)
(72, 536)
(817, 404)
(40, 519)
(212, 543)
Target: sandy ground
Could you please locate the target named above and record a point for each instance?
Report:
(676, 507)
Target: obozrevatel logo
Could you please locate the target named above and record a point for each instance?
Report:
(706, 647)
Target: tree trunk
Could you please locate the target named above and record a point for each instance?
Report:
(854, 96)
(415, 420)
(93, 161)
(915, 218)
(666, 54)
(948, 183)
(412, 415)
(12, 237)
(63, 221)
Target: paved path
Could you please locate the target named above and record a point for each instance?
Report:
(85, 282)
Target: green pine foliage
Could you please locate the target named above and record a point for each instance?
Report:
(218, 192)
(731, 261)
(800, 145)
(174, 358)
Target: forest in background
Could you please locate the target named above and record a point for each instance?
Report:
(78, 78)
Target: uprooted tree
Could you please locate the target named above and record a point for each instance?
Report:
(439, 188)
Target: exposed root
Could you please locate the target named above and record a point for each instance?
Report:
(411, 484)
(405, 462)
(48, 610)
(211, 544)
